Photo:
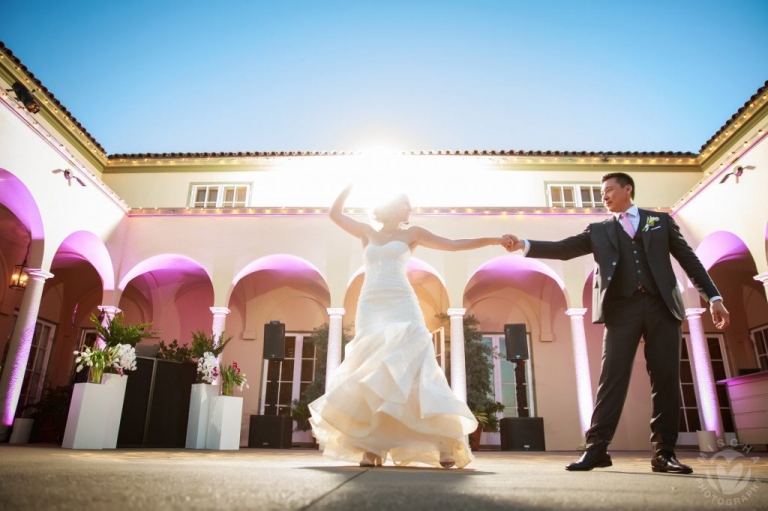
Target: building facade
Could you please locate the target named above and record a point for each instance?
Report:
(231, 241)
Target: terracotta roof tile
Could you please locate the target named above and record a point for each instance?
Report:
(58, 104)
(503, 152)
(762, 90)
(476, 152)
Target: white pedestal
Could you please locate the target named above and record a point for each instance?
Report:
(86, 421)
(22, 428)
(199, 414)
(707, 441)
(224, 425)
(115, 387)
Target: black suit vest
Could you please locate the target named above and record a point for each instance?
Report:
(632, 268)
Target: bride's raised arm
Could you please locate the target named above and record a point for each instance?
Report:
(349, 224)
(428, 239)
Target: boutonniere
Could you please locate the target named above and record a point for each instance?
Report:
(650, 222)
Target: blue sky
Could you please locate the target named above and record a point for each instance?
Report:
(189, 76)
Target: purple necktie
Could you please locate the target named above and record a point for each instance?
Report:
(627, 225)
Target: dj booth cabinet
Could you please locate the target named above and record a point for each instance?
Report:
(156, 406)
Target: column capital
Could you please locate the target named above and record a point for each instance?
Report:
(220, 311)
(694, 312)
(336, 311)
(576, 312)
(762, 277)
(109, 310)
(38, 273)
(456, 312)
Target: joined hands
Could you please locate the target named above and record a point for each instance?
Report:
(512, 243)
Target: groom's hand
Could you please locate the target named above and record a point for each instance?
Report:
(720, 315)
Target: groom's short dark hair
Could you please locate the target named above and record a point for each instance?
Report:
(622, 178)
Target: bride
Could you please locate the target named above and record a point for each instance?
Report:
(389, 398)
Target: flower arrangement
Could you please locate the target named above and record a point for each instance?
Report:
(208, 367)
(650, 222)
(116, 350)
(231, 376)
(121, 357)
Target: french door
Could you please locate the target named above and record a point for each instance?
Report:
(512, 382)
(37, 363)
(690, 413)
(285, 380)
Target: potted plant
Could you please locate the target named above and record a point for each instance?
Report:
(300, 414)
(478, 360)
(50, 414)
(205, 349)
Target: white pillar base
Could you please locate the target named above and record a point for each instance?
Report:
(86, 421)
(224, 426)
(22, 428)
(199, 414)
(115, 387)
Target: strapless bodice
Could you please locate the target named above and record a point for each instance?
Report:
(386, 267)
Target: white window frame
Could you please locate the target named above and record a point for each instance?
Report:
(438, 339)
(576, 189)
(220, 193)
(762, 360)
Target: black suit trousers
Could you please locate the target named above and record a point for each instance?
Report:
(626, 321)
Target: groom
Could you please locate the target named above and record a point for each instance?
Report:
(635, 295)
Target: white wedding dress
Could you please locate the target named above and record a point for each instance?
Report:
(389, 396)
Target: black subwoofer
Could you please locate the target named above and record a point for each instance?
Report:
(522, 434)
(270, 431)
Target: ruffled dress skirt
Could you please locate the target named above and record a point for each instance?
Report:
(389, 396)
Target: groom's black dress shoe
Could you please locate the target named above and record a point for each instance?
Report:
(591, 458)
(667, 462)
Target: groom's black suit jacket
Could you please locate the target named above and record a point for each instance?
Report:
(661, 238)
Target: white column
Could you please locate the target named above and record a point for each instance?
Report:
(109, 313)
(458, 364)
(18, 351)
(219, 320)
(217, 329)
(763, 277)
(702, 369)
(335, 329)
(581, 362)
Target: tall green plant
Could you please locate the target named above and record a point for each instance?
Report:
(478, 358)
(117, 332)
(202, 343)
(173, 351)
(299, 407)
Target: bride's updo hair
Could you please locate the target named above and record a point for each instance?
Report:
(384, 212)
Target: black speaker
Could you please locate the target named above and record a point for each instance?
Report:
(274, 340)
(271, 431)
(522, 434)
(516, 342)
